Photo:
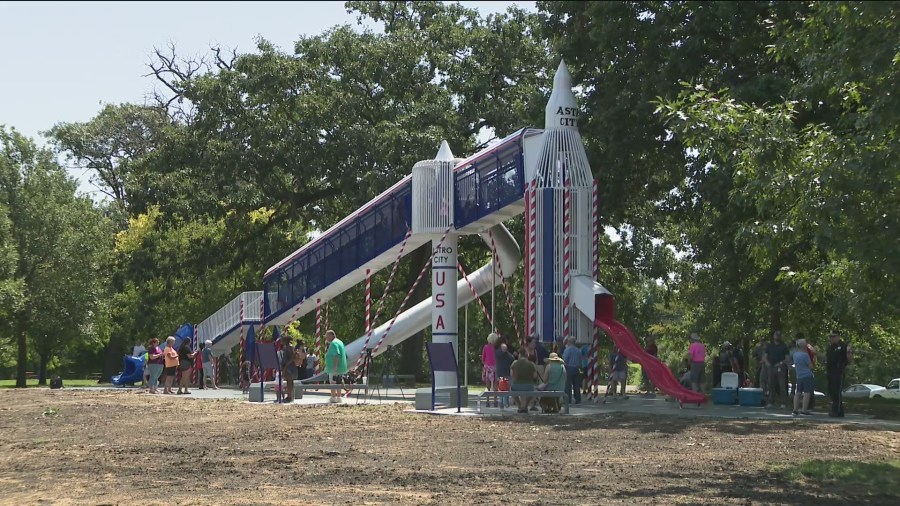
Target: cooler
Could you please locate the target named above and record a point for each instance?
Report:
(751, 396)
(724, 396)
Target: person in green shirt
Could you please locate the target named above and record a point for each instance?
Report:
(335, 362)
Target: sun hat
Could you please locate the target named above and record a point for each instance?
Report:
(555, 358)
(209, 342)
(695, 336)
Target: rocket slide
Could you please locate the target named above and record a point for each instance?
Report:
(656, 370)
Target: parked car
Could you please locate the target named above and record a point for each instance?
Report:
(816, 393)
(862, 391)
(891, 391)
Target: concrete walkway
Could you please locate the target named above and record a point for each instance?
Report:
(635, 404)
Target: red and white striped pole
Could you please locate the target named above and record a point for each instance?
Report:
(387, 288)
(509, 304)
(368, 300)
(595, 359)
(402, 305)
(243, 346)
(532, 257)
(527, 257)
(410, 292)
(262, 330)
(319, 334)
(484, 309)
(567, 228)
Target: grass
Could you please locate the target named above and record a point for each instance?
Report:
(885, 409)
(33, 383)
(877, 477)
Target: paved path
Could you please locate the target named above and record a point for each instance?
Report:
(636, 404)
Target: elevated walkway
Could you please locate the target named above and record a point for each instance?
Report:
(488, 190)
(223, 327)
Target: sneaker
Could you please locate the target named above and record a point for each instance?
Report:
(534, 408)
(795, 413)
(806, 413)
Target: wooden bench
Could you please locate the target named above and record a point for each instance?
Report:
(31, 375)
(537, 393)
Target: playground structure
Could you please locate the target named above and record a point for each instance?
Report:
(133, 367)
(542, 173)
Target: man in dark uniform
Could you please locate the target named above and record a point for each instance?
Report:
(836, 360)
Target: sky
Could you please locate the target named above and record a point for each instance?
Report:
(63, 60)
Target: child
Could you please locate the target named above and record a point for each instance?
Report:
(618, 364)
(244, 376)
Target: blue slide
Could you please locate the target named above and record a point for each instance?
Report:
(132, 371)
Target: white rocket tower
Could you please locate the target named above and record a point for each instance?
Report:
(562, 229)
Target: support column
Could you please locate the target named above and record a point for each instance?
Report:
(444, 325)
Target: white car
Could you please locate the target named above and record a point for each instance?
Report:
(862, 391)
(891, 391)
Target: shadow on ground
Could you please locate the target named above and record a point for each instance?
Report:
(819, 483)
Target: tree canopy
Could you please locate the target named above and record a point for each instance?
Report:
(745, 151)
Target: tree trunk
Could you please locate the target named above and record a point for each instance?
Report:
(411, 350)
(42, 371)
(22, 356)
(112, 361)
(775, 307)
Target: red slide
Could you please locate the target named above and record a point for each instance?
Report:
(657, 371)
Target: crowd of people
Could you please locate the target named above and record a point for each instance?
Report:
(774, 360)
(505, 368)
(167, 364)
(534, 368)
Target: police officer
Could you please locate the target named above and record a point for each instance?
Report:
(836, 360)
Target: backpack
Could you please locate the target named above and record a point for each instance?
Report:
(56, 383)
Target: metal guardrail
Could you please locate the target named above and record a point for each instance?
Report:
(489, 183)
(228, 317)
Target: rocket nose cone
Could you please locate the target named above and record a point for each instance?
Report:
(562, 109)
(444, 152)
(562, 80)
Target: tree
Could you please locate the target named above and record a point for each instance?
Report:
(109, 143)
(59, 240)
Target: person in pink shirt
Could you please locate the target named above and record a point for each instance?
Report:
(489, 363)
(697, 357)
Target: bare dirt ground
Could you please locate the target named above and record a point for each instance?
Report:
(106, 447)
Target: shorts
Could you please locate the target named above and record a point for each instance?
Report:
(170, 371)
(618, 376)
(698, 372)
(489, 374)
(521, 387)
(806, 385)
(208, 371)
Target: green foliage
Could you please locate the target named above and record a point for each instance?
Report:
(745, 153)
(62, 244)
(110, 143)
